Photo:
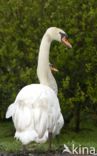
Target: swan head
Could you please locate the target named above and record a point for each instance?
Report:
(59, 35)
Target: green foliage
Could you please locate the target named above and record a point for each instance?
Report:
(22, 24)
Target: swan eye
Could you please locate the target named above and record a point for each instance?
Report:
(63, 35)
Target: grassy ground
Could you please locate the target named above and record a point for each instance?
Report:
(86, 137)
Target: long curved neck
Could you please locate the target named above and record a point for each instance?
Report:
(43, 70)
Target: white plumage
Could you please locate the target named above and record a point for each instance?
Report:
(36, 110)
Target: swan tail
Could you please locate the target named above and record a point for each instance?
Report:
(26, 136)
(10, 111)
(34, 128)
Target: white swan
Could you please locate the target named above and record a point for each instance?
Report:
(36, 111)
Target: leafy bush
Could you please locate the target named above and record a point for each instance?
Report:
(22, 24)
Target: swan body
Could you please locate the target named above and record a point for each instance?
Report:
(34, 117)
(36, 110)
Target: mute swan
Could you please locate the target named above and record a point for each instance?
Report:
(36, 111)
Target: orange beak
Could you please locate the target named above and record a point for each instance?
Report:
(54, 69)
(66, 42)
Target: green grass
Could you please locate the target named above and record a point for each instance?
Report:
(86, 137)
